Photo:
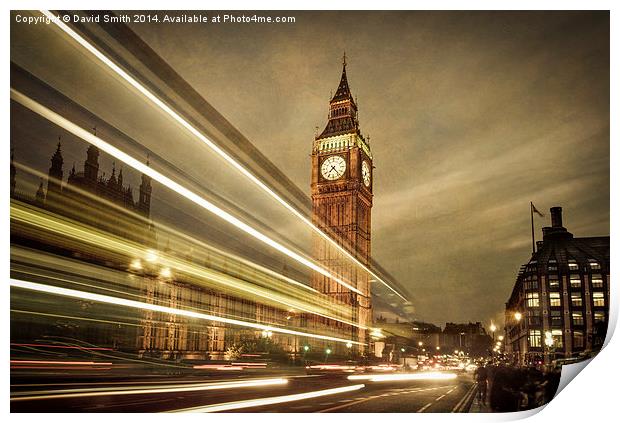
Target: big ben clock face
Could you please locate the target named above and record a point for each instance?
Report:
(333, 167)
(366, 173)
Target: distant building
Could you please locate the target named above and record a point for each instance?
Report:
(559, 306)
(471, 338)
(422, 338)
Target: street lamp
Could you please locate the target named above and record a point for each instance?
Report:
(549, 343)
(151, 256)
(402, 350)
(136, 264)
(501, 337)
(420, 343)
(517, 315)
(165, 272)
(461, 340)
(328, 351)
(493, 328)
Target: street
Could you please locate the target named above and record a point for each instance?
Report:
(269, 393)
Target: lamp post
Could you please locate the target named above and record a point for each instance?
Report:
(328, 351)
(493, 328)
(549, 341)
(517, 316)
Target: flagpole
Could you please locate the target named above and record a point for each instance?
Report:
(532, 221)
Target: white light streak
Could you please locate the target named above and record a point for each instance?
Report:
(31, 217)
(404, 376)
(169, 111)
(169, 183)
(268, 401)
(137, 390)
(154, 307)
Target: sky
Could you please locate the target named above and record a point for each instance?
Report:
(471, 115)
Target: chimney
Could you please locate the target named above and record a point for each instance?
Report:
(556, 217)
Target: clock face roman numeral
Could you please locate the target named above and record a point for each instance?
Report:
(333, 167)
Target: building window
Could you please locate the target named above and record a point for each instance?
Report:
(531, 284)
(577, 318)
(552, 266)
(594, 265)
(576, 299)
(557, 338)
(535, 338)
(556, 318)
(597, 281)
(532, 299)
(554, 283)
(577, 339)
(598, 298)
(572, 265)
(534, 317)
(554, 299)
(575, 281)
(599, 316)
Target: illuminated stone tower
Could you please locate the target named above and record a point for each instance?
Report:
(341, 187)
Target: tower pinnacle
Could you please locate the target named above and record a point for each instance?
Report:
(342, 116)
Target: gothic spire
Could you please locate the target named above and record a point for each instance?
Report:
(343, 92)
(40, 195)
(57, 157)
(342, 118)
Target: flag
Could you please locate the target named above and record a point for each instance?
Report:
(536, 210)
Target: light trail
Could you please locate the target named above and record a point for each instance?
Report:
(169, 183)
(57, 346)
(76, 363)
(100, 239)
(404, 376)
(268, 401)
(138, 390)
(154, 307)
(170, 231)
(213, 146)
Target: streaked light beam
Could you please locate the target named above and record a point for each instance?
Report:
(268, 401)
(220, 152)
(154, 307)
(169, 183)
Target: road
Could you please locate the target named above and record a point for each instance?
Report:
(292, 393)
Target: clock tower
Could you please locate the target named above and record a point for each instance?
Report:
(342, 178)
